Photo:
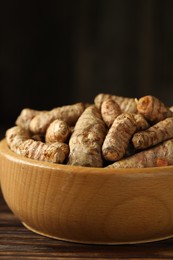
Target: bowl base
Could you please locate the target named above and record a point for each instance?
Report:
(95, 242)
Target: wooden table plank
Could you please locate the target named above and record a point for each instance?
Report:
(16, 242)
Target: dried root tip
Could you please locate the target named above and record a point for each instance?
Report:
(87, 138)
(153, 109)
(15, 136)
(69, 114)
(109, 111)
(117, 139)
(25, 117)
(126, 104)
(157, 133)
(160, 155)
(56, 152)
(58, 131)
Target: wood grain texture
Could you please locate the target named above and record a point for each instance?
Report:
(88, 205)
(16, 242)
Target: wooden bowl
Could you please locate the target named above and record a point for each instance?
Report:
(88, 205)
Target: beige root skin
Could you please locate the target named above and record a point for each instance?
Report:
(114, 128)
(69, 114)
(55, 153)
(160, 155)
(58, 131)
(153, 109)
(87, 138)
(109, 111)
(141, 122)
(157, 133)
(15, 136)
(25, 117)
(117, 139)
(18, 140)
(126, 104)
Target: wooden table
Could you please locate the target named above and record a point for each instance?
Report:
(16, 242)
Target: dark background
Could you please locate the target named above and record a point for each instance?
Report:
(54, 53)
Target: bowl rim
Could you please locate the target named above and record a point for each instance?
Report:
(12, 156)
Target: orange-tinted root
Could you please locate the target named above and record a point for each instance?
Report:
(157, 133)
(117, 139)
(69, 114)
(56, 152)
(159, 155)
(153, 109)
